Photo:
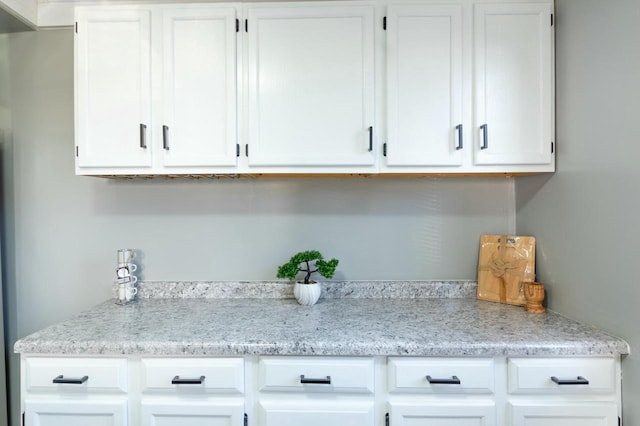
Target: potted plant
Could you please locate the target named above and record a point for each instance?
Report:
(307, 291)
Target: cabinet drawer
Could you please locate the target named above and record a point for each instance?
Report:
(572, 375)
(224, 375)
(313, 374)
(441, 375)
(75, 374)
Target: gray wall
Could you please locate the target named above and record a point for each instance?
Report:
(66, 229)
(586, 215)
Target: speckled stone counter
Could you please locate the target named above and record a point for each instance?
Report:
(409, 323)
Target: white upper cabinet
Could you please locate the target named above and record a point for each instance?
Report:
(513, 84)
(156, 89)
(113, 88)
(199, 83)
(311, 87)
(424, 85)
(448, 87)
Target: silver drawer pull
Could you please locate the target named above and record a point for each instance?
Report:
(454, 380)
(178, 381)
(325, 381)
(70, 381)
(577, 381)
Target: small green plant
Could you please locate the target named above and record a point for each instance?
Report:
(301, 262)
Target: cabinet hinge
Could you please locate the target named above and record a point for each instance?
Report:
(384, 23)
(384, 149)
(246, 420)
(552, 19)
(246, 150)
(552, 147)
(246, 25)
(237, 25)
(386, 419)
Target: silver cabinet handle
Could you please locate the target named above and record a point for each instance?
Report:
(459, 129)
(70, 381)
(143, 136)
(577, 381)
(454, 380)
(178, 381)
(165, 137)
(320, 381)
(485, 137)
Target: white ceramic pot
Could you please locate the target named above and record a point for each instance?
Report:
(307, 294)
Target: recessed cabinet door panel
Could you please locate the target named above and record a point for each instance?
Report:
(199, 74)
(443, 414)
(563, 414)
(311, 88)
(70, 412)
(424, 64)
(316, 413)
(513, 84)
(113, 86)
(193, 413)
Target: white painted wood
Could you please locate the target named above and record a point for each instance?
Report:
(443, 413)
(75, 412)
(113, 87)
(311, 86)
(533, 375)
(221, 374)
(476, 375)
(199, 96)
(113, 84)
(346, 374)
(219, 412)
(424, 85)
(563, 414)
(103, 374)
(513, 83)
(316, 412)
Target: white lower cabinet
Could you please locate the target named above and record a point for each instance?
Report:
(563, 414)
(436, 413)
(563, 391)
(185, 412)
(320, 391)
(75, 412)
(321, 412)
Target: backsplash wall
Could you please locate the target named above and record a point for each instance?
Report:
(66, 229)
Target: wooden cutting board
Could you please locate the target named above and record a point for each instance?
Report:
(505, 263)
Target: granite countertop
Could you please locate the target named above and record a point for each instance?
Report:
(404, 320)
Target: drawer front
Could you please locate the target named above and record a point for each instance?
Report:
(536, 375)
(218, 375)
(75, 374)
(441, 375)
(316, 374)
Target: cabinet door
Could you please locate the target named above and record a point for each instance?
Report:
(199, 81)
(297, 412)
(563, 414)
(424, 66)
(113, 86)
(72, 412)
(443, 414)
(311, 88)
(192, 413)
(513, 84)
